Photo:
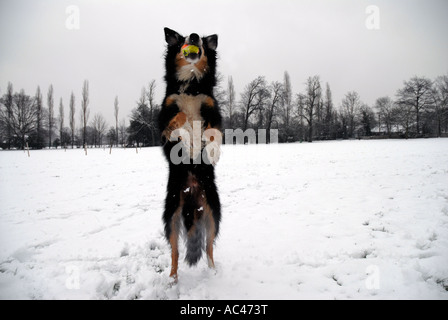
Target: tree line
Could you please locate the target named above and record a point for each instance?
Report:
(419, 108)
(37, 122)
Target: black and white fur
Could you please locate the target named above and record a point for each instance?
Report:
(192, 202)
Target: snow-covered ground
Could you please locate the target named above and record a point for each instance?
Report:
(330, 220)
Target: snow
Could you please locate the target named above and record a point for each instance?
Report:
(329, 220)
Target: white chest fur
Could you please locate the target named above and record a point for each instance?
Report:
(191, 106)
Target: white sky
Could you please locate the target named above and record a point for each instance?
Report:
(119, 46)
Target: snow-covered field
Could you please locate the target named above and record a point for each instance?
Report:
(330, 220)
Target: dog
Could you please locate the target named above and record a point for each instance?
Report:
(192, 205)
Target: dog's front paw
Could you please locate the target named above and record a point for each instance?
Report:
(213, 140)
(213, 152)
(177, 122)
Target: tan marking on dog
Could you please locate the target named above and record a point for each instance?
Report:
(169, 101)
(187, 71)
(209, 102)
(177, 122)
(202, 64)
(181, 61)
(191, 121)
(174, 240)
(211, 233)
(190, 105)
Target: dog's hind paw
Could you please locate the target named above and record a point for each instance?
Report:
(172, 280)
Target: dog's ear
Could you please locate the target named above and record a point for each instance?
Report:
(172, 37)
(211, 41)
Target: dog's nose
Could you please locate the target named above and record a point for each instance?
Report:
(194, 39)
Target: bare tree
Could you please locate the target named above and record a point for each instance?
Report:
(328, 117)
(351, 105)
(111, 137)
(51, 120)
(122, 131)
(219, 92)
(253, 98)
(403, 115)
(143, 124)
(72, 118)
(39, 118)
(142, 100)
(150, 94)
(230, 101)
(116, 108)
(366, 120)
(23, 116)
(8, 103)
(3, 123)
(286, 103)
(385, 109)
(85, 111)
(99, 128)
(61, 121)
(300, 103)
(440, 96)
(416, 93)
(319, 123)
(276, 89)
(312, 99)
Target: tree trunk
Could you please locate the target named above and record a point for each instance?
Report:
(310, 132)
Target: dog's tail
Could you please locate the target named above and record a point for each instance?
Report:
(195, 232)
(195, 245)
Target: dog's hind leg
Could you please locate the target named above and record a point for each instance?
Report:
(210, 236)
(174, 239)
(209, 249)
(212, 210)
(174, 243)
(171, 219)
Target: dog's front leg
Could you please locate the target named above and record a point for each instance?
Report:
(175, 123)
(213, 141)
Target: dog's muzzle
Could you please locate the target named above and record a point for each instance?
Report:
(192, 47)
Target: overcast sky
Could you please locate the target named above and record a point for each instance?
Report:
(119, 45)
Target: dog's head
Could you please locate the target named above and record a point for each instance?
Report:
(190, 58)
